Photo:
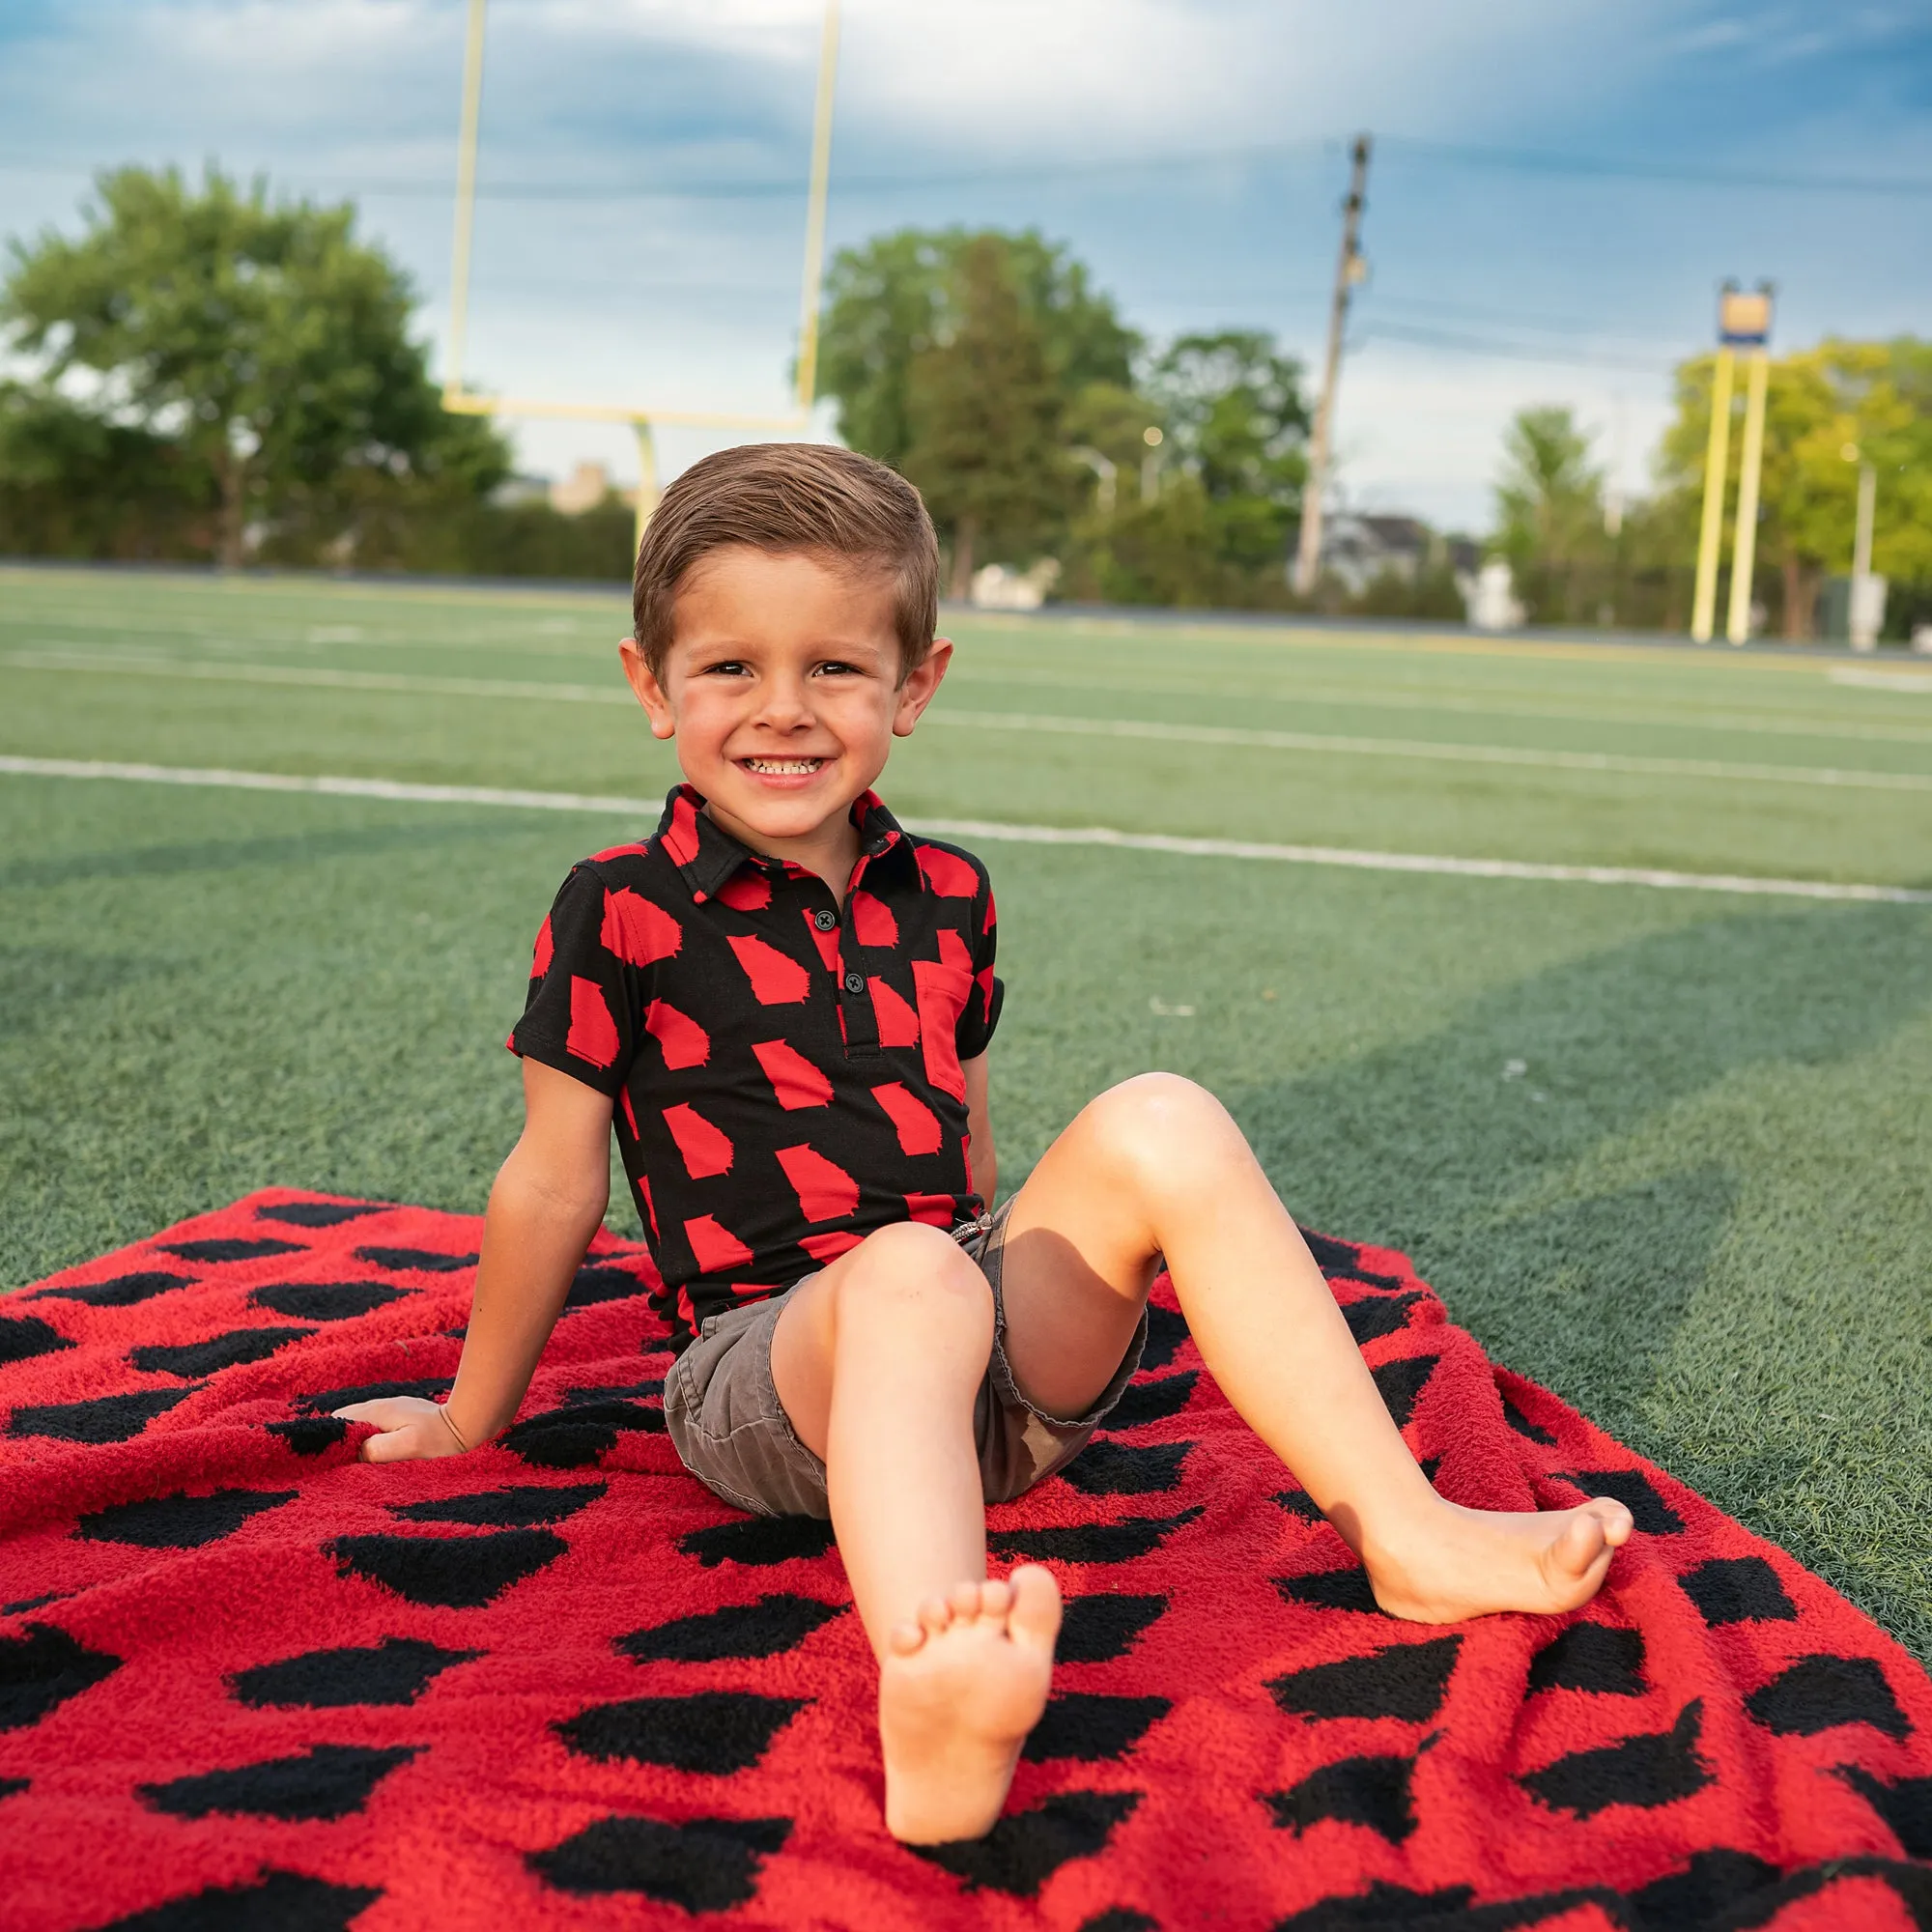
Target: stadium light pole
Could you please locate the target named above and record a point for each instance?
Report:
(1349, 271)
(1747, 322)
(460, 401)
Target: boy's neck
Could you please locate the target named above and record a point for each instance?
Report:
(831, 848)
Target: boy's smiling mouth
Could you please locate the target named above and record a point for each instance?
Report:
(783, 768)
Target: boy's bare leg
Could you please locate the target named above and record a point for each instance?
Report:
(877, 1361)
(1156, 1167)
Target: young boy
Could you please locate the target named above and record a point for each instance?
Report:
(784, 1001)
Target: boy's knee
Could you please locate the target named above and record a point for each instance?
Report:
(913, 1266)
(1160, 1125)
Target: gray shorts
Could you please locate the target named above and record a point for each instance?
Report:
(722, 1412)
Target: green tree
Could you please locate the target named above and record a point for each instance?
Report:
(1236, 420)
(983, 408)
(262, 340)
(1549, 511)
(895, 296)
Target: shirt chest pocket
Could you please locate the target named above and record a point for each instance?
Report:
(944, 987)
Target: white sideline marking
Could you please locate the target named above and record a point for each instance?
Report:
(1053, 724)
(993, 829)
(1427, 748)
(1918, 682)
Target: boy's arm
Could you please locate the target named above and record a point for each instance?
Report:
(548, 1201)
(980, 1154)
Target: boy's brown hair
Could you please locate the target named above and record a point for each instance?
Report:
(790, 496)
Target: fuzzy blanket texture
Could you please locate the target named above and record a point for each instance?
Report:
(248, 1681)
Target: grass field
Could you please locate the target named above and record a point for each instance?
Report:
(1669, 1152)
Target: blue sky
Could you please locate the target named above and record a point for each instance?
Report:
(643, 167)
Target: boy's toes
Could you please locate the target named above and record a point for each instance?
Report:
(935, 1614)
(996, 1597)
(904, 1638)
(1615, 1516)
(1035, 1613)
(964, 1601)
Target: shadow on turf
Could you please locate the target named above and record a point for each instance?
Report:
(1430, 1146)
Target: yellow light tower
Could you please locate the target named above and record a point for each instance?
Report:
(466, 401)
(1744, 322)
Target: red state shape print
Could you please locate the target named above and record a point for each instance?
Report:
(706, 1150)
(826, 941)
(776, 978)
(794, 1079)
(992, 917)
(826, 1248)
(873, 920)
(680, 840)
(936, 1210)
(593, 1034)
(915, 1123)
(685, 1042)
(746, 890)
(543, 952)
(629, 1112)
(825, 1191)
(947, 873)
(650, 1205)
(638, 848)
(899, 1023)
(944, 989)
(637, 931)
(716, 1248)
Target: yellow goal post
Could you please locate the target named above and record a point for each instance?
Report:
(463, 401)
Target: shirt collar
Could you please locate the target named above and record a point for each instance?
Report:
(706, 855)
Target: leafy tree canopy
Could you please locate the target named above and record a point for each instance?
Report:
(261, 339)
(898, 296)
(984, 405)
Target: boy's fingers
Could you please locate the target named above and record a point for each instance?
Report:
(394, 1445)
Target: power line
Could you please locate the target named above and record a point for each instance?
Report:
(1503, 351)
(1519, 161)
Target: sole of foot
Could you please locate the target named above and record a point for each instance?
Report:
(1476, 1563)
(960, 1688)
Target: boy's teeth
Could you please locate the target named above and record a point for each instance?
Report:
(784, 767)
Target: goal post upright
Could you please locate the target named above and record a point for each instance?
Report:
(643, 420)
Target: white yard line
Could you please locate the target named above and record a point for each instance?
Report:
(1239, 737)
(1431, 750)
(1918, 682)
(993, 829)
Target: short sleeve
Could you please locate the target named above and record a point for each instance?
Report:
(981, 1011)
(578, 1016)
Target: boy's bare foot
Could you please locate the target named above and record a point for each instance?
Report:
(1469, 1563)
(958, 1691)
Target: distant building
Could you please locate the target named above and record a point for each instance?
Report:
(1357, 548)
(516, 491)
(584, 488)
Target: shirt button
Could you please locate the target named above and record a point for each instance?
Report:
(855, 982)
(825, 920)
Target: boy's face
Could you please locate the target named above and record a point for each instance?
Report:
(782, 690)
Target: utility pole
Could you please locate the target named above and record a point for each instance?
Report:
(1748, 325)
(1717, 472)
(1349, 268)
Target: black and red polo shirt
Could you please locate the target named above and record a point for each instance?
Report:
(787, 1074)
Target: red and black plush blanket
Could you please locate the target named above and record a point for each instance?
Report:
(248, 1681)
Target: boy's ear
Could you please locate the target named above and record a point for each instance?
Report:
(650, 693)
(918, 691)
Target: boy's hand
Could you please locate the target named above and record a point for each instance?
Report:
(409, 1426)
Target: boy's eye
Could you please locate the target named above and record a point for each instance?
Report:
(836, 667)
(729, 667)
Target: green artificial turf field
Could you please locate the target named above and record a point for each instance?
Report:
(1666, 1150)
